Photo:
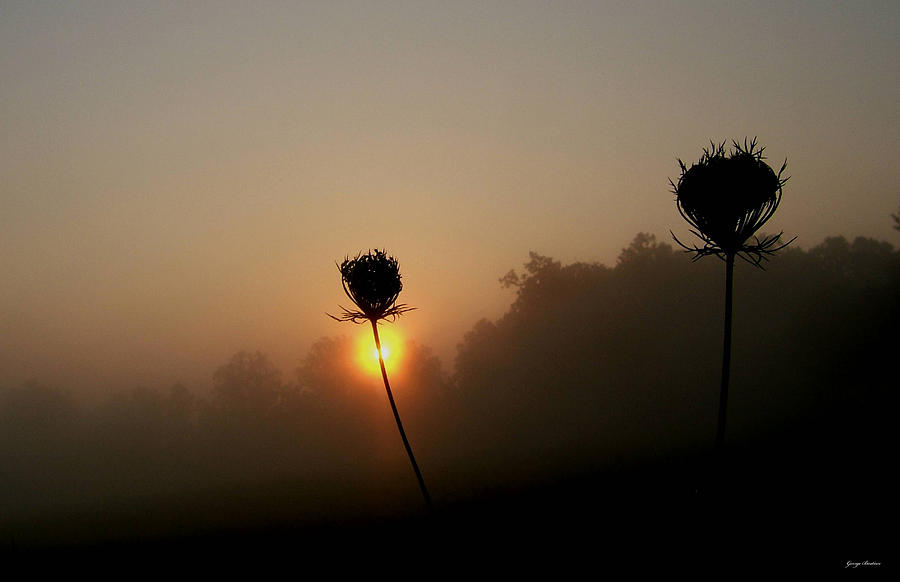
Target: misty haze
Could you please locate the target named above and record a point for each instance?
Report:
(185, 191)
(598, 380)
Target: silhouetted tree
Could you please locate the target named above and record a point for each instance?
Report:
(35, 408)
(249, 385)
(325, 370)
(583, 361)
(337, 400)
(38, 417)
(726, 198)
(372, 282)
(610, 367)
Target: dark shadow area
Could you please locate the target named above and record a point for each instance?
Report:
(576, 429)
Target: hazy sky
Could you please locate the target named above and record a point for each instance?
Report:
(178, 179)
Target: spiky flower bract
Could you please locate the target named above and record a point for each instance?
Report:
(372, 282)
(726, 197)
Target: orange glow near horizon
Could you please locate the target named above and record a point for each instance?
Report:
(367, 354)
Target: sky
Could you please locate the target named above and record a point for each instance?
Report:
(179, 179)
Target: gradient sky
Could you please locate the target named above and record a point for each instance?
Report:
(178, 179)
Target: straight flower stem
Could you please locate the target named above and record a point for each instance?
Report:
(387, 386)
(726, 351)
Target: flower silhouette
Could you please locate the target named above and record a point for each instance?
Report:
(727, 197)
(372, 282)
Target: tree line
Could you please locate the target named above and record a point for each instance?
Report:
(591, 368)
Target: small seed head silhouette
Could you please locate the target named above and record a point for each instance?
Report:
(372, 282)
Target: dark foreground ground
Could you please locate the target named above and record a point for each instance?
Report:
(765, 509)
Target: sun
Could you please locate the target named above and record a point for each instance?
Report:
(385, 352)
(367, 355)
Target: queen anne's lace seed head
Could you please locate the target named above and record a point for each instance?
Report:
(372, 282)
(726, 197)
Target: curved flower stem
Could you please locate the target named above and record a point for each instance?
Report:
(726, 350)
(387, 386)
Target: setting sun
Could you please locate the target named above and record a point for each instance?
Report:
(367, 354)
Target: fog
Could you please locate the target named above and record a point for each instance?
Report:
(180, 181)
(597, 374)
